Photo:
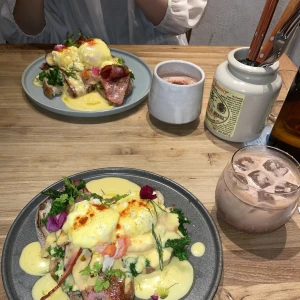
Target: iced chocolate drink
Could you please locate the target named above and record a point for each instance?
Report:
(258, 190)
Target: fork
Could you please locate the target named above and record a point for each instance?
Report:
(288, 16)
(282, 38)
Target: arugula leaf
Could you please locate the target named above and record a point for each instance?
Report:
(182, 220)
(178, 246)
(53, 75)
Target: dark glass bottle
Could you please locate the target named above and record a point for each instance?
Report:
(286, 130)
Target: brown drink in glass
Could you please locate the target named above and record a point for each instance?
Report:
(285, 134)
(259, 189)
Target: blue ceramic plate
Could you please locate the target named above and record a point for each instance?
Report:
(207, 269)
(142, 84)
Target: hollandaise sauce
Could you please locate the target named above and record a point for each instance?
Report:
(90, 102)
(37, 82)
(31, 260)
(111, 186)
(198, 249)
(44, 285)
(173, 282)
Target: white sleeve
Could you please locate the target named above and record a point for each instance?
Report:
(11, 32)
(182, 15)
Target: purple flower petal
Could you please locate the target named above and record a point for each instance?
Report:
(58, 47)
(54, 223)
(154, 297)
(147, 192)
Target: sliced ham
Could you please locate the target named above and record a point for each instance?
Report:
(116, 83)
(111, 72)
(119, 289)
(115, 250)
(116, 90)
(109, 250)
(123, 243)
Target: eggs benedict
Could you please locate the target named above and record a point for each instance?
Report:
(84, 67)
(109, 237)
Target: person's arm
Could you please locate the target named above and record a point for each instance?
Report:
(154, 10)
(29, 15)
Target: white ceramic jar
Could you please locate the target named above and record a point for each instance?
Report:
(241, 98)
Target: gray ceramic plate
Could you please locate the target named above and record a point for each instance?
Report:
(207, 268)
(142, 83)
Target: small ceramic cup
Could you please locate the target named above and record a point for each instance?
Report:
(176, 92)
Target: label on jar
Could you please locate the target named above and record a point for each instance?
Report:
(266, 115)
(223, 110)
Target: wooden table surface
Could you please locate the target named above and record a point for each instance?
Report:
(37, 147)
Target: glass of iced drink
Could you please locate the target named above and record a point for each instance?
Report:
(259, 189)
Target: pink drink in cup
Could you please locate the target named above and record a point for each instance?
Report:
(258, 190)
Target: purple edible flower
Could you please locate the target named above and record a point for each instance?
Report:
(58, 47)
(147, 192)
(54, 223)
(154, 297)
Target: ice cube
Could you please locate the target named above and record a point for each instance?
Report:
(245, 163)
(276, 167)
(240, 180)
(264, 196)
(285, 187)
(265, 199)
(241, 177)
(260, 179)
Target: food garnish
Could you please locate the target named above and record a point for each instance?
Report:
(178, 246)
(54, 76)
(58, 252)
(103, 277)
(182, 220)
(147, 192)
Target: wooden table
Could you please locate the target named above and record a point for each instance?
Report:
(37, 147)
